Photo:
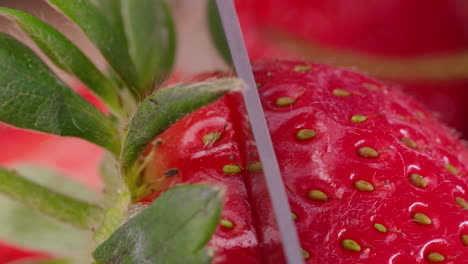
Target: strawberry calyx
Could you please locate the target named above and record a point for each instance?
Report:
(134, 113)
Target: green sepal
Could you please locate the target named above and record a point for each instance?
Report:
(165, 107)
(27, 228)
(111, 9)
(217, 31)
(65, 55)
(174, 229)
(62, 207)
(33, 97)
(151, 37)
(103, 30)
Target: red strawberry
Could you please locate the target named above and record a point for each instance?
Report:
(208, 151)
(392, 27)
(371, 176)
(421, 45)
(9, 253)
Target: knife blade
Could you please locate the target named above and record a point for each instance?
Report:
(266, 187)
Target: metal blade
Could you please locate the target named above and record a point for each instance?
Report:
(267, 187)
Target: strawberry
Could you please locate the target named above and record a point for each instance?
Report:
(391, 28)
(9, 253)
(417, 45)
(371, 176)
(208, 151)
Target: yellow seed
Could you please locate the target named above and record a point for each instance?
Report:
(285, 101)
(364, 186)
(254, 167)
(451, 168)
(420, 114)
(462, 203)
(464, 239)
(318, 196)
(231, 169)
(211, 138)
(302, 68)
(226, 223)
(435, 257)
(358, 118)
(258, 85)
(370, 86)
(305, 134)
(422, 219)
(293, 216)
(305, 254)
(341, 92)
(417, 180)
(380, 227)
(367, 152)
(408, 142)
(350, 245)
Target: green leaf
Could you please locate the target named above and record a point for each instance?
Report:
(57, 182)
(33, 97)
(111, 11)
(174, 229)
(26, 228)
(103, 32)
(151, 39)
(78, 213)
(63, 53)
(217, 32)
(165, 107)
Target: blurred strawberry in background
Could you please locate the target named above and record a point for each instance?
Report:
(9, 253)
(420, 46)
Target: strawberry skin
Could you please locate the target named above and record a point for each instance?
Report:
(364, 167)
(371, 176)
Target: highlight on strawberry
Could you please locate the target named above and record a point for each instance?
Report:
(371, 176)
